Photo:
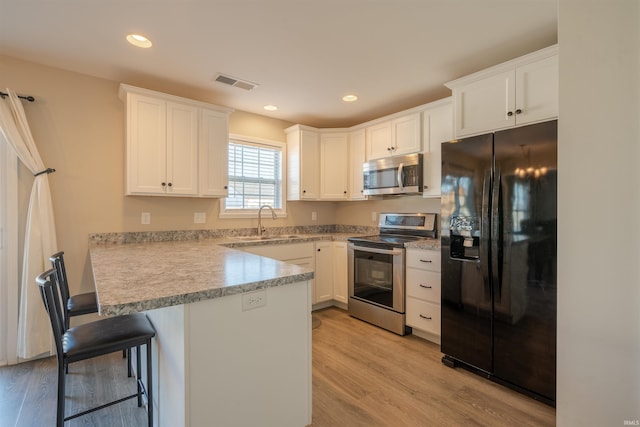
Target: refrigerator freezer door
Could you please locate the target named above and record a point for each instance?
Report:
(525, 297)
(466, 292)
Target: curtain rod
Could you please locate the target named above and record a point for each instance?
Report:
(27, 97)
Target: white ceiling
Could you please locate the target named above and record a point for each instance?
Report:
(304, 54)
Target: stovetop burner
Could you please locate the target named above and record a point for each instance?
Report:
(397, 229)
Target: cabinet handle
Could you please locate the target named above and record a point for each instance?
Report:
(425, 317)
(426, 286)
(510, 113)
(426, 260)
(518, 111)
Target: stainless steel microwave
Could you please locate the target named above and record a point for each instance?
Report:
(393, 175)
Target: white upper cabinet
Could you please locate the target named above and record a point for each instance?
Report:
(170, 144)
(437, 127)
(214, 153)
(400, 135)
(356, 160)
(303, 165)
(518, 92)
(334, 166)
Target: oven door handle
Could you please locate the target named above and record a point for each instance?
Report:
(395, 251)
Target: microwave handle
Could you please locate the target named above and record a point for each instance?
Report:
(400, 177)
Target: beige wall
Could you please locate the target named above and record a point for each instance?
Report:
(78, 124)
(598, 381)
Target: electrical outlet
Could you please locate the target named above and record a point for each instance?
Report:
(145, 218)
(199, 217)
(255, 299)
(314, 216)
(374, 216)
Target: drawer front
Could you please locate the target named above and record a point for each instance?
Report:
(423, 315)
(423, 284)
(426, 260)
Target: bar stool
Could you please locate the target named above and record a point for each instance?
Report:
(76, 305)
(96, 339)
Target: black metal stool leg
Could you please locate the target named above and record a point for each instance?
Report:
(149, 385)
(60, 404)
(128, 351)
(139, 375)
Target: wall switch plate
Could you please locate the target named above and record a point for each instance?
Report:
(255, 299)
(145, 218)
(374, 216)
(314, 216)
(199, 217)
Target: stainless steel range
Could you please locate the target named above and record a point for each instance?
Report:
(377, 269)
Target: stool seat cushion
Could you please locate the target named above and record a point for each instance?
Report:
(106, 336)
(82, 304)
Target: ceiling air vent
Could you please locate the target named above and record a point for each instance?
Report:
(232, 81)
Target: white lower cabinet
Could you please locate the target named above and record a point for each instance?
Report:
(323, 272)
(423, 293)
(327, 259)
(340, 272)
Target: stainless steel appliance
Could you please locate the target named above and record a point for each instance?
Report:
(377, 269)
(393, 175)
(498, 235)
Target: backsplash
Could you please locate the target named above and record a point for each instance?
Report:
(175, 235)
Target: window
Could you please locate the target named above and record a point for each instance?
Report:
(255, 177)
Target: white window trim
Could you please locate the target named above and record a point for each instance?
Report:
(253, 213)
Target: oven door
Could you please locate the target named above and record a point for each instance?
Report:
(376, 276)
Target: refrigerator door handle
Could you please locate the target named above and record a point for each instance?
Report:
(496, 237)
(485, 227)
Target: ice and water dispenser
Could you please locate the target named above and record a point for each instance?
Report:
(465, 237)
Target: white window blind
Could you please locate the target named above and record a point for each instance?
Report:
(255, 176)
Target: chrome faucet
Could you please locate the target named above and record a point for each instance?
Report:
(273, 215)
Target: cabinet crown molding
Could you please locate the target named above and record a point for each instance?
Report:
(125, 88)
(509, 65)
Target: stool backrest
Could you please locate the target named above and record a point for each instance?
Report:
(47, 282)
(57, 262)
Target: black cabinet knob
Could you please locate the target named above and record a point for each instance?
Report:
(345, 192)
(510, 113)
(518, 111)
(225, 187)
(164, 184)
(170, 184)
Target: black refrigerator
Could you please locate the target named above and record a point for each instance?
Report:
(498, 242)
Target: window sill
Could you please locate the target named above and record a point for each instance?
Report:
(251, 213)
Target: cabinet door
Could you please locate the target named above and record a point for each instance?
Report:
(406, 134)
(309, 165)
(484, 105)
(182, 149)
(379, 140)
(324, 272)
(334, 162)
(437, 128)
(340, 272)
(214, 154)
(146, 145)
(356, 159)
(537, 91)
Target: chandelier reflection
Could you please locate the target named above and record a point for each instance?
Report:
(529, 171)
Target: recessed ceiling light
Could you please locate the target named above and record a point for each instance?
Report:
(139, 40)
(349, 98)
(270, 107)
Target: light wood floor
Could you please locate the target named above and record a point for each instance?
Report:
(362, 376)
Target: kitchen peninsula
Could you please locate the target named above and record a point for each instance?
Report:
(229, 326)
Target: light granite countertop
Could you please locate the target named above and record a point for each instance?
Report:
(143, 276)
(143, 271)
